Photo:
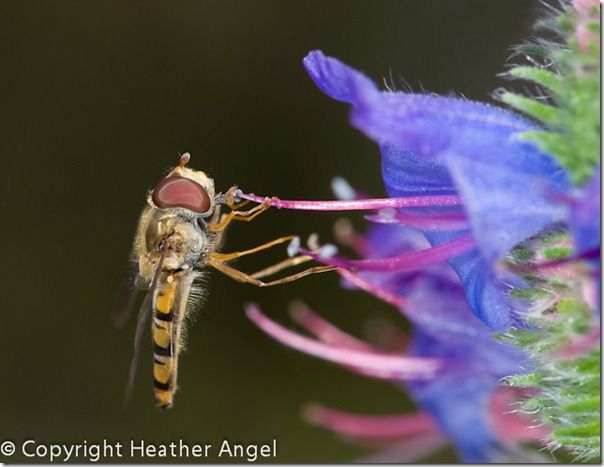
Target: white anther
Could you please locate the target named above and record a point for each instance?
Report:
(294, 247)
(342, 189)
(328, 250)
(313, 242)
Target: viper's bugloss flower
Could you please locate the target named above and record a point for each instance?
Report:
(446, 146)
(483, 231)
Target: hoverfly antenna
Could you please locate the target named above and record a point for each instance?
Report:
(184, 159)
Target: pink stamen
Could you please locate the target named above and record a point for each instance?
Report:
(328, 333)
(367, 426)
(369, 204)
(324, 330)
(431, 222)
(379, 365)
(384, 295)
(382, 333)
(404, 262)
(347, 235)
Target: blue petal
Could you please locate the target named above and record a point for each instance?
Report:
(509, 196)
(407, 174)
(336, 79)
(438, 145)
(461, 407)
(474, 363)
(440, 311)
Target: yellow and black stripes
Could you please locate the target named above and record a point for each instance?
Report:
(165, 348)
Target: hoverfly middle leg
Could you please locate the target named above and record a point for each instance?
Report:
(270, 270)
(244, 277)
(280, 266)
(239, 254)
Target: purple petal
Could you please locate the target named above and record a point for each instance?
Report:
(336, 79)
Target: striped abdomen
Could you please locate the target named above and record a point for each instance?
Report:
(169, 308)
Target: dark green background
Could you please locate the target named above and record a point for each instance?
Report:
(97, 100)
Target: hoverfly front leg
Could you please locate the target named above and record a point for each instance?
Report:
(217, 260)
(235, 214)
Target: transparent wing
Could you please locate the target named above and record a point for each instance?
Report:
(144, 314)
(141, 324)
(126, 296)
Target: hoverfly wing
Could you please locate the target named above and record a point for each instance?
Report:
(125, 298)
(144, 313)
(141, 324)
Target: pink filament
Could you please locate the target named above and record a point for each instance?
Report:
(372, 289)
(325, 331)
(379, 365)
(431, 222)
(328, 333)
(347, 235)
(367, 426)
(404, 262)
(358, 204)
(385, 335)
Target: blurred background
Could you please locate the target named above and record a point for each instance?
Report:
(98, 100)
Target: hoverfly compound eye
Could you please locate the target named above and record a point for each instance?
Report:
(181, 192)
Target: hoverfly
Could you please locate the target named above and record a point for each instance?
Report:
(178, 237)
